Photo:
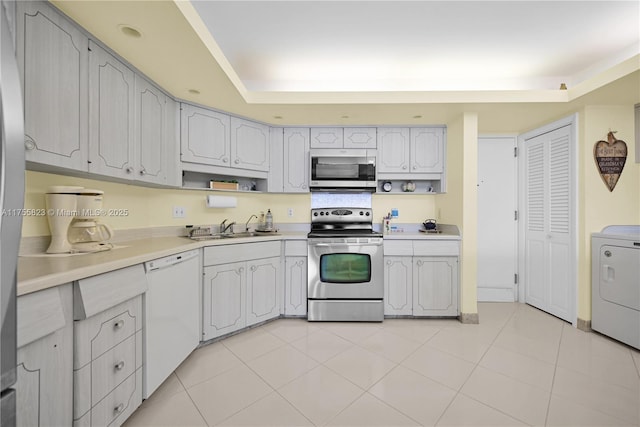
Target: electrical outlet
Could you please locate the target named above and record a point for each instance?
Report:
(290, 211)
(179, 212)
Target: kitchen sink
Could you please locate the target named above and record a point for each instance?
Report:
(219, 236)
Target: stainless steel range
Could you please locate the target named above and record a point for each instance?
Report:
(345, 266)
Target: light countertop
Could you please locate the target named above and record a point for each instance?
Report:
(37, 272)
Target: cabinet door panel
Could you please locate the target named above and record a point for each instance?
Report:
(435, 286)
(427, 145)
(249, 145)
(398, 272)
(360, 138)
(151, 133)
(326, 138)
(295, 293)
(111, 100)
(44, 387)
(53, 57)
(224, 299)
(296, 160)
(263, 279)
(205, 136)
(393, 150)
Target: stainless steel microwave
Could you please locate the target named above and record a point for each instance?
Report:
(343, 169)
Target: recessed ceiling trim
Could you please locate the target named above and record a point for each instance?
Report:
(193, 18)
(445, 97)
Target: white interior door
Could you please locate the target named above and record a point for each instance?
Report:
(549, 219)
(497, 226)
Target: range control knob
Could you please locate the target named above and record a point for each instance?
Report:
(321, 213)
(368, 214)
(361, 213)
(315, 214)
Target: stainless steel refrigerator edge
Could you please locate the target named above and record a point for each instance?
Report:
(12, 167)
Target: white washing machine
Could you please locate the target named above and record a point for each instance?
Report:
(615, 283)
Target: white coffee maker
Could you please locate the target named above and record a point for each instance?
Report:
(73, 214)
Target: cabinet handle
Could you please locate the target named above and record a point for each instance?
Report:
(29, 145)
(388, 262)
(419, 262)
(241, 269)
(254, 268)
(415, 167)
(225, 160)
(118, 366)
(304, 186)
(118, 409)
(404, 167)
(129, 169)
(143, 171)
(236, 161)
(119, 324)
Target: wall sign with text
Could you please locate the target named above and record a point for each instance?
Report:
(610, 157)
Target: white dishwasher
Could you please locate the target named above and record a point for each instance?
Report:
(171, 327)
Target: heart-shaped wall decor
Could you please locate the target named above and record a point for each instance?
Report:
(610, 157)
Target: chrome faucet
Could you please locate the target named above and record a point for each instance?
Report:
(246, 225)
(224, 227)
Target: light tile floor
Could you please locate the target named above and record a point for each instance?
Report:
(519, 366)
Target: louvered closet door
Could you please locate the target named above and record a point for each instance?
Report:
(548, 227)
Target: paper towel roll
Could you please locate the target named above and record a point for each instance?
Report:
(221, 201)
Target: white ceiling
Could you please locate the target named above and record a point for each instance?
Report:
(179, 53)
(414, 46)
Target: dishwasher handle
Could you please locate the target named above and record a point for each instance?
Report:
(169, 261)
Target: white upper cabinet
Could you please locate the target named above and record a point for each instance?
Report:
(52, 54)
(249, 145)
(360, 138)
(205, 136)
(111, 118)
(413, 154)
(296, 160)
(332, 137)
(393, 150)
(155, 138)
(427, 150)
(326, 138)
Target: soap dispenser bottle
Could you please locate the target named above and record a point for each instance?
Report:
(269, 220)
(261, 222)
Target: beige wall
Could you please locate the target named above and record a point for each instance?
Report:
(152, 207)
(598, 207)
(460, 204)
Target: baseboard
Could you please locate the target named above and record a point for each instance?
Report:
(495, 295)
(469, 318)
(584, 325)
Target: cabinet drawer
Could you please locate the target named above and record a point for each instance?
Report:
(398, 248)
(295, 248)
(114, 366)
(436, 248)
(100, 333)
(98, 293)
(117, 406)
(225, 254)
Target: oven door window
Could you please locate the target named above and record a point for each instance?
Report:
(345, 268)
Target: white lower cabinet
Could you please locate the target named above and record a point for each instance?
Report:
(398, 289)
(421, 278)
(242, 286)
(44, 387)
(435, 286)
(263, 289)
(107, 359)
(295, 278)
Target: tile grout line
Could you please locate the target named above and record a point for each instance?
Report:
(553, 380)
(459, 392)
